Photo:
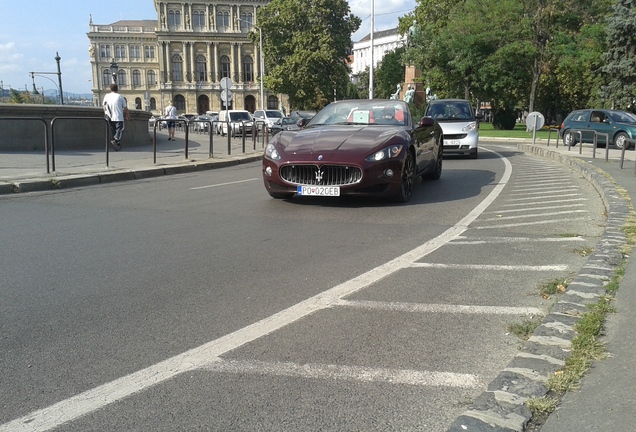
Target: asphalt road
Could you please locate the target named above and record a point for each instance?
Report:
(197, 302)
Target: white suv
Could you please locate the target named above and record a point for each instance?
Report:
(240, 122)
(267, 116)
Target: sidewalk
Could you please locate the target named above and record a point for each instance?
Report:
(606, 399)
(27, 171)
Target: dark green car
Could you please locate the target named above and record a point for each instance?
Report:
(607, 125)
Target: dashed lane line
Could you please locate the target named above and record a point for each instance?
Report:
(439, 308)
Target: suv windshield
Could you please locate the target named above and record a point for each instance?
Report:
(276, 114)
(450, 110)
(240, 116)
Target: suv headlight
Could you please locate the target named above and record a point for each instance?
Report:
(386, 153)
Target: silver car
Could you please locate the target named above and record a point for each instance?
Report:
(459, 125)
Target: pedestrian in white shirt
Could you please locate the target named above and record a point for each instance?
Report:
(171, 113)
(116, 112)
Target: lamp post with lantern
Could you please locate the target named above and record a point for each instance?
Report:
(114, 68)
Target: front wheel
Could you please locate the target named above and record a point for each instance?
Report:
(620, 140)
(569, 139)
(407, 179)
(437, 172)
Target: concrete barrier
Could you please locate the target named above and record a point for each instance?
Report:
(70, 133)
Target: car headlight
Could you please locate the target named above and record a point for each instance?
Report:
(386, 153)
(470, 127)
(271, 152)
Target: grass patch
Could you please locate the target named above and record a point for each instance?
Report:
(584, 252)
(542, 405)
(524, 329)
(486, 130)
(553, 287)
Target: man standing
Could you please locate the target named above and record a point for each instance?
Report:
(171, 113)
(116, 111)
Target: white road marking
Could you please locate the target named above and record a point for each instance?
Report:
(484, 240)
(199, 357)
(546, 196)
(556, 267)
(540, 201)
(528, 223)
(528, 215)
(527, 209)
(349, 373)
(225, 184)
(439, 308)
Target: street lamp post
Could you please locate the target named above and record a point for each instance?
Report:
(114, 68)
(42, 76)
(260, 48)
(59, 76)
(35, 92)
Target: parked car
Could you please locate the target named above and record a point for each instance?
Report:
(285, 123)
(303, 114)
(354, 147)
(618, 125)
(239, 122)
(203, 125)
(269, 117)
(459, 123)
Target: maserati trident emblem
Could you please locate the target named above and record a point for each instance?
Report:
(319, 175)
(319, 157)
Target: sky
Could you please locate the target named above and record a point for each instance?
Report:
(31, 36)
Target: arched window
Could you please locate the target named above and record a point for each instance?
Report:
(272, 102)
(177, 68)
(121, 77)
(120, 51)
(136, 78)
(179, 103)
(222, 21)
(199, 19)
(202, 70)
(152, 78)
(153, 104)
(248, 69)
(246, 21)
(174, 18)
(135, 52)
(225, 67)
(138, 103)
(106, 79)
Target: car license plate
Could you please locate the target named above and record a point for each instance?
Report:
(319, 190)
(451, 142)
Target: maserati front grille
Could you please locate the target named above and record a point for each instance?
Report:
(324, 175)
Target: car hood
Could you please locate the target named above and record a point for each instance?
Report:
(336, 138)
(454, 127)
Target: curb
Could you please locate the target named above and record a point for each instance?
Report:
(501, 408)
(79, 180)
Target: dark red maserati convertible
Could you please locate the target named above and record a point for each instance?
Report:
(364, 147)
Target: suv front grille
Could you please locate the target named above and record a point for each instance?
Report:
(325, 175)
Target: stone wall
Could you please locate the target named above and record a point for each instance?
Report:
(75, 127)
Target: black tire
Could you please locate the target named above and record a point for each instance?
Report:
(437, 172)
(619, 140)
(473, 154)
(407, 179)
(281, 195)
(569, 139)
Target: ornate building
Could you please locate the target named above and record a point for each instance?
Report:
(183, 56)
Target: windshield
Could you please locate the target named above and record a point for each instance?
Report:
(240, 116)
(289, 121)
(450, 110)
(275, 114)
(363, 112)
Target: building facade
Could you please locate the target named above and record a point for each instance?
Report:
(383, 41)
(182, 57)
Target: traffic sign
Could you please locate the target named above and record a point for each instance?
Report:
(226, 96)
(226, 83)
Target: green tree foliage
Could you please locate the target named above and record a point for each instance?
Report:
(388, 74)
(620, 58)
(305, 44)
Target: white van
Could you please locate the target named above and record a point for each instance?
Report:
(239, 122)
(267, 116)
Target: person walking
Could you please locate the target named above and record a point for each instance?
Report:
(171, 113)
(116, 111)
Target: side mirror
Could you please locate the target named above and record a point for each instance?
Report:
(426, 122)
(302, 122)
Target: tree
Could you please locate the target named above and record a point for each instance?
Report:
(389, 73)
(620, 58)
(305, 44)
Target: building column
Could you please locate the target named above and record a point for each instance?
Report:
(216, 62)
(240, 62)
(193, 77)
(209, 62)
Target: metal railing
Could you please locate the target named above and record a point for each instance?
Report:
(56, 119)
(46, 135)
(580, 132)
(628, 143)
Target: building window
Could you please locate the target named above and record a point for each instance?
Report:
(104, 51)
(152, 78)
(137, 103)
(225, 67)
(150, 52)
(107, 77)
(201, 69)
(248, 69)
(174, 19)
(120, 51)
(136, 78)
(272, 102)
(222, 21)
(153, 104)
(179, 103)
(121, 77)
(177, 68)
(135, 52)
(199, 19)
(246, 22)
